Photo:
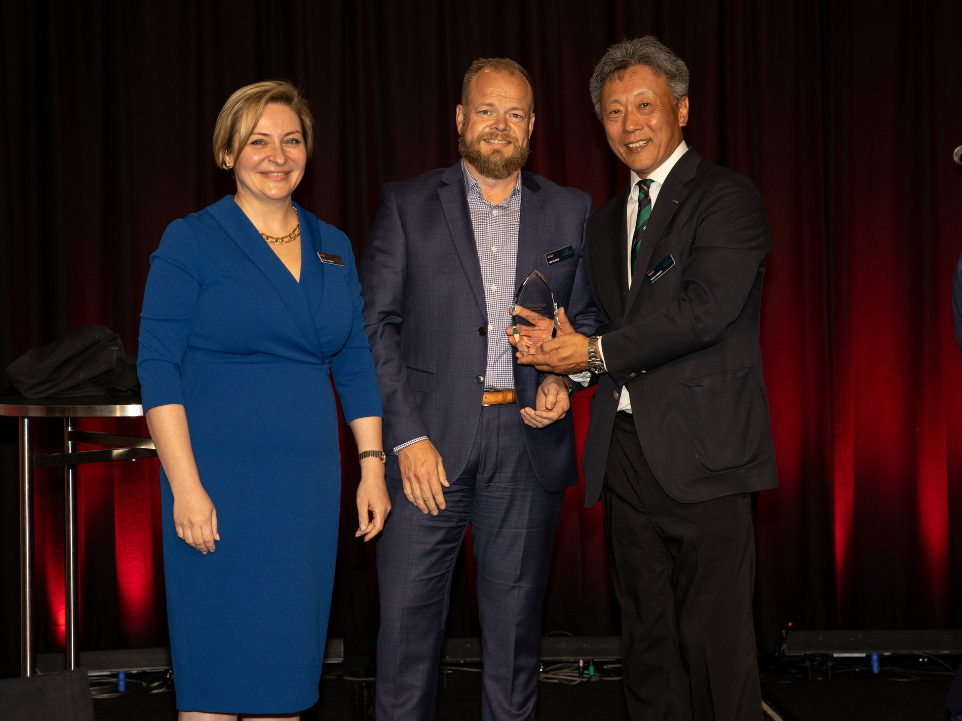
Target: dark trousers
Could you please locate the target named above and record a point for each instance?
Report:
(513, 524)
(684, 577)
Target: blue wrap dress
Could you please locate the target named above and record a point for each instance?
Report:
(228, 332)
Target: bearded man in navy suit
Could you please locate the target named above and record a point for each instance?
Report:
(679, 438)
(476, 438)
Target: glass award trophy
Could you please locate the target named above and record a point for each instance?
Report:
(534, 315)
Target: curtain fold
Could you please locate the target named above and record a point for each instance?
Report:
(844, 114)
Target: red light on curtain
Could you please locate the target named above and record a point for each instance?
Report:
(58, 620)
(589, 520)
(48, 538)
(136, 511)
(932, 508)
(843, 501)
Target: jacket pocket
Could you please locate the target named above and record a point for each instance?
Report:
(727, 418)
(420, 380)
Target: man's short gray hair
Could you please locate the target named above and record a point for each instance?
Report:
(647, 51)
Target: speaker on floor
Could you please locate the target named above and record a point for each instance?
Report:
(61, 696)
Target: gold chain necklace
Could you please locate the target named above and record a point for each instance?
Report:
(290, 237)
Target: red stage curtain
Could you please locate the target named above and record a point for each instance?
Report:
(844, 113)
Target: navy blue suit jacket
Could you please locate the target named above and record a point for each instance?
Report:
(427, 322)
(685, 342)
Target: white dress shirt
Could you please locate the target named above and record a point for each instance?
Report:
(658, 175)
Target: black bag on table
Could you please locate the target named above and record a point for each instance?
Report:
(87, 361)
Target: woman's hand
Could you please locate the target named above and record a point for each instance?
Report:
(373, 502)
(195, 519)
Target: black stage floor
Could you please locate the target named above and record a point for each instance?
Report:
(794, 689)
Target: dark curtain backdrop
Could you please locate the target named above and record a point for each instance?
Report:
(844, 113)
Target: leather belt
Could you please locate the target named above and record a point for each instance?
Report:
(498, 398)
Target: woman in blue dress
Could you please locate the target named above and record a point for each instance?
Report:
(252, 306)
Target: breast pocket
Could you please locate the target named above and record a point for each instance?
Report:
(560, 277)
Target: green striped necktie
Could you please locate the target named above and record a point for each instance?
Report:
(644, 212)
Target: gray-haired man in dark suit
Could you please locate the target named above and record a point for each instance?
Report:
(679, 437)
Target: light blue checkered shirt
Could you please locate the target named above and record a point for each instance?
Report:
(496, 229)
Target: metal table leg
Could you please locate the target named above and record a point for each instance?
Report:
(70, 549)
(27, 655)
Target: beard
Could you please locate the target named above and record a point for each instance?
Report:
(495, 164)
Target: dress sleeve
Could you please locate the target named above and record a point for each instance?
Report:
(167, 317)
(352, 366)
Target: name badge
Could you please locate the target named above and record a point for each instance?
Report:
(330, 258)
(663, 266)
(561, 254)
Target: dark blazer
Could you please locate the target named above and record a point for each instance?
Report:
(685, 343)
(426, 317)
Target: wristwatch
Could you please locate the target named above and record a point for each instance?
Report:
(372, 454)
(595, 364)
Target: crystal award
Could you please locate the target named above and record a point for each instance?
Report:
(534, 315)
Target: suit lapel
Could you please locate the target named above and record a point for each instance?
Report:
(608, 248)
(670, 198)
(458, 217)
(619, 230)
(531, 240)
(232, 219)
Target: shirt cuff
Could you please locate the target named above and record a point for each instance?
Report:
(408, 443)
(582, 378)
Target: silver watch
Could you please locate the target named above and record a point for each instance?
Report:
(595, 364)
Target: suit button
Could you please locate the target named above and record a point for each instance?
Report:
(633, 374)
(479, 379)
(483, 330)
(616, 395)
(644, 373)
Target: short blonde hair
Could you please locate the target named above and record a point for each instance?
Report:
(239, 116)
